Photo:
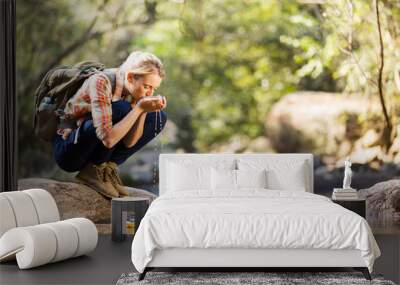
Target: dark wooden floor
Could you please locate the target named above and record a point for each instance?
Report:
(102, 266)
(110, 259)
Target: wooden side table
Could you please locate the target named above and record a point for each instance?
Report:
(126, 215)
(355, 205)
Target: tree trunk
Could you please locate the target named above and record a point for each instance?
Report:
(387, 132)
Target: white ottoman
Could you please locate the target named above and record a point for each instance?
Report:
(31, 232)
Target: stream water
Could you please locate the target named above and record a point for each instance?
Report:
(157, 147)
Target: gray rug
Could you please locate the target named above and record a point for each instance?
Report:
(230, 278)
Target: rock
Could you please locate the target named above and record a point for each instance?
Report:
(395, 149)
(397, 77)
(260, 144)
(77, 200)
(383, 200)
(323, 123)
(397, 159)
(370, 139)
(236, 144)
(103, 228)
(243, 144)
(367, 155)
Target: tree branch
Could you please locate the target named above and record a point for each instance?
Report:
(64, 53)
(86, 35)
(349, 39)
(388, 122)
(357, 63)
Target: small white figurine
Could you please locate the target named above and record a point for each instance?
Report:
(347, 174)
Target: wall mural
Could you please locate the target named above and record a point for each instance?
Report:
(240, 77)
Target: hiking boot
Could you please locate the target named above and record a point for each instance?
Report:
(95, 176)
(112, 172)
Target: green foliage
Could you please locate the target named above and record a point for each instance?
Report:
(43, 29)
(54, 32)
(354, 30)
(227, 61)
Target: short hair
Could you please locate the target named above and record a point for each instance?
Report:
(142, 63)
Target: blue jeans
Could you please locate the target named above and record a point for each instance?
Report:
(73, 157)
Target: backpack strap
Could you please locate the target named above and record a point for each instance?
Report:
(71, 123)
(112, 76)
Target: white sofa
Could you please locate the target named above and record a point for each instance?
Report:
(31, 231)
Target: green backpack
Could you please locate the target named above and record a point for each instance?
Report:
(56, 88)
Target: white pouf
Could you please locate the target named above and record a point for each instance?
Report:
(31, 232)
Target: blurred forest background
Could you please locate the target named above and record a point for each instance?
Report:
(242, 76)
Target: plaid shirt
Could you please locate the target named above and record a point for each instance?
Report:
(95, 97)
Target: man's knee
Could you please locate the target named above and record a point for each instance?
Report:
(120, 109)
